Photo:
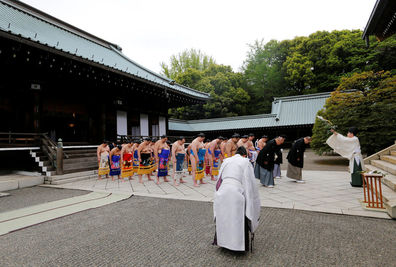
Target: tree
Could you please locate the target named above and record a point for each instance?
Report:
(188, 59)
(371, 108)
(312, 64)
(228, 98)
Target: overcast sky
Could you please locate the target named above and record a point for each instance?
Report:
(150, 31)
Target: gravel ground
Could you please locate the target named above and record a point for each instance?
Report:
(26, 197)
(144, 231)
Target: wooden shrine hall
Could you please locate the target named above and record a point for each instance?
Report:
(63, 81)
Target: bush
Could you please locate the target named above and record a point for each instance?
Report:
(371, 107)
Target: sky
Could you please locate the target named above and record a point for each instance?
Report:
(151, 31)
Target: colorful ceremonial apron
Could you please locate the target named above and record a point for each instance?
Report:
(127, 165)
(199, 173)
(163, 158)
(145, 166)
(135, 161)
(207, 165)
(154, 163)
(180, 161)
(215, 162)
(104, 164)
(115, 165)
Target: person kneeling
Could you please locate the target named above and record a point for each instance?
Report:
(237, 204)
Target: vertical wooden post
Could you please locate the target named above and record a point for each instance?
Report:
(59, 158)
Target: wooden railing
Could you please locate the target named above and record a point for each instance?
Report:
(10, 139)
(372, 190)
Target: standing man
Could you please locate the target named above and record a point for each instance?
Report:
(136, 162)
(231, 146)
(251, 149)
(197, 157)
(127, 161)
(115, 158)
(144, 156)
(236, 204)
(189, 167)
(296, 159)
(222, 148)
(103, 159)
(261, 143)
(163, 153)
(349, 147)
(214, 156)
(178, 157)
(265, 161)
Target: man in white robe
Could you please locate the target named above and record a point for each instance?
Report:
(237, 198)
(349, 147)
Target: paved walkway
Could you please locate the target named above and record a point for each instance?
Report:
(324, 191)
(142, 231)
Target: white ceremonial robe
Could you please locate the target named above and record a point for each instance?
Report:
(347, 147)
(236, 198)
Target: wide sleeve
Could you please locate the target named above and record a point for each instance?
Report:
(252, 197)
(342, 145)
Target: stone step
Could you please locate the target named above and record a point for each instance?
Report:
(386, 166)
(72, 175)
(393, 153)
(80, 155)
(75, 179)
(79, 151)
(389, 158)
(391, 208)
(79, 165)
(389, 180)
(79, 160)
(82, 169)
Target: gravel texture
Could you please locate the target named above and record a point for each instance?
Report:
(145, 231)
(25, 197)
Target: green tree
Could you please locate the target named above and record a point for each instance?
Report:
(371, 108)
(311, 64)
(188, 59)
(228, 98)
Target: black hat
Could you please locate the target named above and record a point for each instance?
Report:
(235, 135)
(353, 130)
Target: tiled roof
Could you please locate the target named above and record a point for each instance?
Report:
(286, 111)
(22, 20)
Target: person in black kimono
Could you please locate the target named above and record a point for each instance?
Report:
(296, 159)
(278, 161)
(265, 161)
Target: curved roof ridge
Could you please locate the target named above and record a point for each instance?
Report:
(256, 116)
(41, 15)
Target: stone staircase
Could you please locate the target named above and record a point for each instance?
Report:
(71, 177)
(80, 164)
(385, 162)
